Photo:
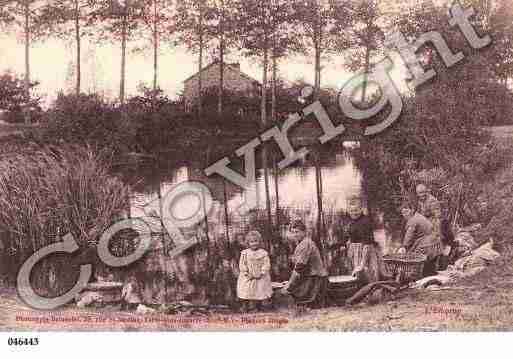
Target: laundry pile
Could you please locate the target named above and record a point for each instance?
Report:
(471, 259)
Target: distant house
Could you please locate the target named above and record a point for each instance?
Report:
(233, 80)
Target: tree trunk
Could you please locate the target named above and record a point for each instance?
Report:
(317, 73)
(320, 214)
(273, 88)
(365, 192)
(123, 60)
(210, 269)
(78, 43)
(221, 79)
(276, 192)
(274, 120)
(367, 65)
(200, 66)
(200, 80)
(318, 47)
(263, 109)
(264, 149)
(221, 64)
(27, 60)
(155, 46)
(226, 217)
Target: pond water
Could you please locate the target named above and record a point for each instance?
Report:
(295, 186)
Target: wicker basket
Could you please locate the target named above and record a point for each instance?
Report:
(404, 267)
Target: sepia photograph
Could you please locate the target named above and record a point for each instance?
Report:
(255, 166)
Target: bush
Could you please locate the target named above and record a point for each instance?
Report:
(497, 208)
(14, 102)
(159, 124)
(240, 112)
(88, 120)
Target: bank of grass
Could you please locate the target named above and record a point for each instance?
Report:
(480, 303)
(48, 193)
(497, 193)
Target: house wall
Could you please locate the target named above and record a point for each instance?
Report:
(233, 80)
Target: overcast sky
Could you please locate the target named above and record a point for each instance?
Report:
(52, 59)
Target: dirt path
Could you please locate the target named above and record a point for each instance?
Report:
(480, 303)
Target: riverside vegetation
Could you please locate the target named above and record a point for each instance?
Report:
(64, 174)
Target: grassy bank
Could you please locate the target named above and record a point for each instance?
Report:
(480, 303)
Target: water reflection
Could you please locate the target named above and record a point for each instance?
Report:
(295, 186)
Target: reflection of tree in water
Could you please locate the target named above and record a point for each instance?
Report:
(380, 183)
(293, 195)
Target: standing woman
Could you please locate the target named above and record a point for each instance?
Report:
(363, 256)
(308, 281)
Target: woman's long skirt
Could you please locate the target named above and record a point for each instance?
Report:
(368, 257)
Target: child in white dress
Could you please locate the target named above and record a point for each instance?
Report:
(254, 283)
(131, 293)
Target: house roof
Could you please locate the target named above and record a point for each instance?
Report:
(234, 66)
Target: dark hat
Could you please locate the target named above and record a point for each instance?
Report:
(298, 224)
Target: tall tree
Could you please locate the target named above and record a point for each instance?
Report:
(362, 22)
(223, 30)
(192, 19)
(285, 41)
(264, 29)
(364, 35)
(157, 15)
(67, 19)
(256, 38)
(259, 21)
(24, 17)
(117, 21)
(316, 19)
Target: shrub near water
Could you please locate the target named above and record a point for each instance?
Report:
(50, 193)
(87, 120)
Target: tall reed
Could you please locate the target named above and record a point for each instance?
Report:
(51, 192)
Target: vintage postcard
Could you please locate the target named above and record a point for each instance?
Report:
(255, 165)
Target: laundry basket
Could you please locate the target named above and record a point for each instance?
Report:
(404, 267)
